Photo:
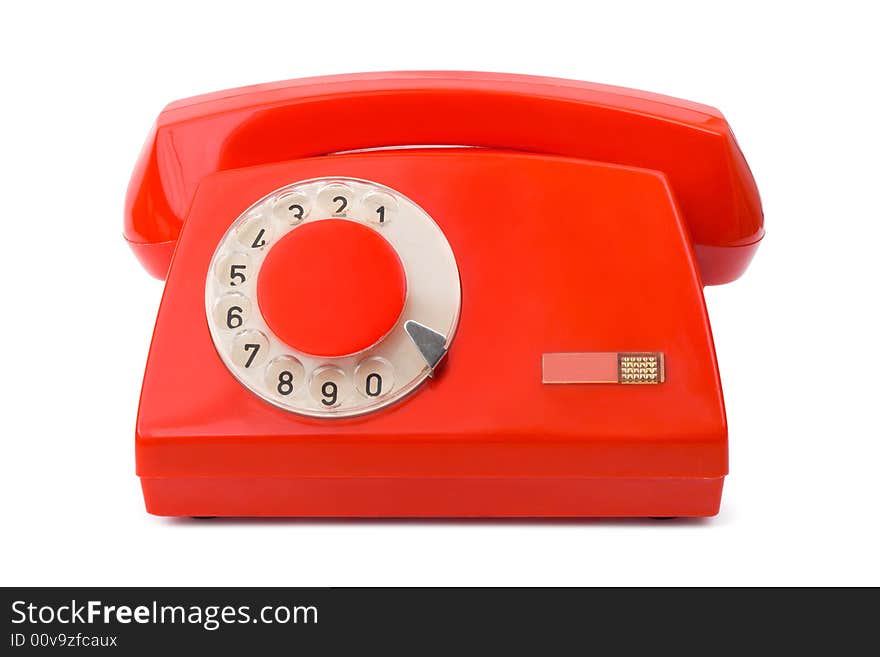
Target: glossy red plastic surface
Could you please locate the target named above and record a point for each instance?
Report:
(331, 288)
(691, 144)
(606, 265)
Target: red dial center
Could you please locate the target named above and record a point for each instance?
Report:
(331, 288)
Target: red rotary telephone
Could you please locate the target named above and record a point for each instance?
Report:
(436, 294)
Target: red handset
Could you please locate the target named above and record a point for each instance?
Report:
(691, 143)
(359, 323)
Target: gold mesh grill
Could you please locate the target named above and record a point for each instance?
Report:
(646, 367)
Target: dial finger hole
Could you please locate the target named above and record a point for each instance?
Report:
(335, 200)
(379, 208)
(232, 311)
(285, 376)
(233, 269)
(329, 386)
(254, 233)
(292, 208)
(374, 377)
(249, 349)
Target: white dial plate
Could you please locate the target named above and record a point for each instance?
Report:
(312, 385)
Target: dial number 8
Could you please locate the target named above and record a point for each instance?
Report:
(285, 382)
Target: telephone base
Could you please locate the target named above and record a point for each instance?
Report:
(506, 427)
(401, 497)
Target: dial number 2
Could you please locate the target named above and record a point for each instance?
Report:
(335, 199)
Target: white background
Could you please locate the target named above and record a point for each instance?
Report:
(796, 336)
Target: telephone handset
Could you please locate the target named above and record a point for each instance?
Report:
(436, 294)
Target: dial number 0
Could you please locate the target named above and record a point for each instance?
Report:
(373, 386)
(374, 377)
